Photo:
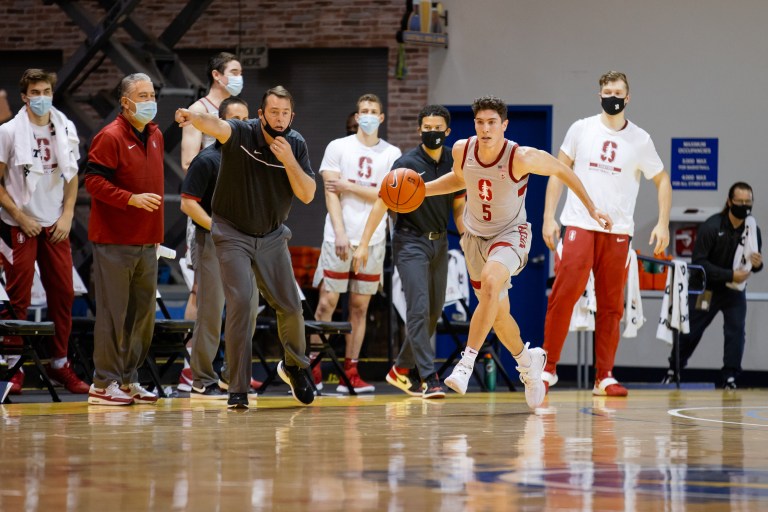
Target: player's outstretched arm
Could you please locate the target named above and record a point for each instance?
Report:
(454, 180)
(206, 123)
(531, 160)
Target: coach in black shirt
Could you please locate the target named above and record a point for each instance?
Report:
(420, 249)
(717, 240)
(264, 164)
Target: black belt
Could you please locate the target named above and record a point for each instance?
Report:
(431, 235)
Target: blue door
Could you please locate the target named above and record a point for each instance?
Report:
(528, 126)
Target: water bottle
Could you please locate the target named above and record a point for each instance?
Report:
(490, 373)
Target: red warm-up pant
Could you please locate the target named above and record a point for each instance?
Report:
(55, 262)
(606, 255)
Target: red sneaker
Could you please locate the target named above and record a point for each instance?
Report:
(139, 394)
(185, 380)
(111, 395)
(358, 384)
(17, 382)
(606, 385)
(66, 377)
(401, 378)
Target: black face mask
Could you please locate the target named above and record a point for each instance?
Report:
(741, 211)
(272, 132)
(433, 140)
(613, 105)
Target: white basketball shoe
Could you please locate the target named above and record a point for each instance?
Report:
(531, 377)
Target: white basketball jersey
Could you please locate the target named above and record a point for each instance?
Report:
(495, 200)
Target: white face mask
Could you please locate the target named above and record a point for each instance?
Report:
(234, 84)
(40, 105)
(369, 123)
(145, 110)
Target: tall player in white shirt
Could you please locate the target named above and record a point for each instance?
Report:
(610, 155)
(496, 241)
(352, 169)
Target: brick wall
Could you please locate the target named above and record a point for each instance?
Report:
(29, 25)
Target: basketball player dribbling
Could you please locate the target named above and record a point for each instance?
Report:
(497, 237)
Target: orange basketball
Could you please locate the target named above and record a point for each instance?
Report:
(402, 190)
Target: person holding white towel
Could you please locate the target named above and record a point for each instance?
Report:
(728, 247)
(38, 167)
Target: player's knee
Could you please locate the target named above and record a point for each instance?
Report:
(358, 310)
(324, 309)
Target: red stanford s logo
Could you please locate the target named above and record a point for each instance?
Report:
(609, 151)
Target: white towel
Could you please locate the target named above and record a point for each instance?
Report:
(674, 305)
(633, 306)
(583, 316)
(65, 141)
(456, 287)
(747, 247)
(457, 283)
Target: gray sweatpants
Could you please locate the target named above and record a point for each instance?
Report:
(241, 257)
(423, 268)
(125, 278)
(210, 304)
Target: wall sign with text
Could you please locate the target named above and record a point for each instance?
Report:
(694, 164)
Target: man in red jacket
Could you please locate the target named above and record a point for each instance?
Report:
(124, 176)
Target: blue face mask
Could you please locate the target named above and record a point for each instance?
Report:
(40, 105)
(145, 110)
(368, 122)
(234, 84)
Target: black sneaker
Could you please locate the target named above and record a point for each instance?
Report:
(730, 383)
(433, 387)
(238, 401)
(669, 378)
(297, 379)
(209, 392)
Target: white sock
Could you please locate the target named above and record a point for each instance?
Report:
(468, 357)
(58, 364)
(524, 357)
(186, 363)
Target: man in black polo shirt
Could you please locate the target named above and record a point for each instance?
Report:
(717, 242)
(420, 249)
(264, 164)
(196, 195)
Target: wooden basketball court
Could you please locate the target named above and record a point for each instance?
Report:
(656, 450)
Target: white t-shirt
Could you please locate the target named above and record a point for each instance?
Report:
(610, 164)
(47, 202)
(362, 165)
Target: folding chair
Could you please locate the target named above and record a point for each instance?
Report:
(81, 333)
(31, 334)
